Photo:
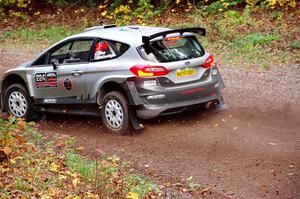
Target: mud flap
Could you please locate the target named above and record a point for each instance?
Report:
(136, 124)
(220, 106)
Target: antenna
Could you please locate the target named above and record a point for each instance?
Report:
(101, 23)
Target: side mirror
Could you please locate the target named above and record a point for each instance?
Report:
(54, 63)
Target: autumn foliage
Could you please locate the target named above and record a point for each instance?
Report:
(32, 166)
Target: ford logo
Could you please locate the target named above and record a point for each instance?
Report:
(187, 63)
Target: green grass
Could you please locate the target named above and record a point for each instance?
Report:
(84, 167)
(248, 42)
(44, 36)
(256, 38)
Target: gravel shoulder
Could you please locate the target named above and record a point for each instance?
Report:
(251, 150)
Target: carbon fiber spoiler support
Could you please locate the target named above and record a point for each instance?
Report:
(200, 31)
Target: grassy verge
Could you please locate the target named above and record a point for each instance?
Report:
(243, 38)
(32, 166)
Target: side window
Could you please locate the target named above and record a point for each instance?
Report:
(60, 54)
(79, 51)
(63, 50)
(72, 52)
(41, 60)
(108, 50)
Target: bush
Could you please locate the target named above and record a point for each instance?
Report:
(255, 39)
(272, 3)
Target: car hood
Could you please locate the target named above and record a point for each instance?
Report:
(25, 64)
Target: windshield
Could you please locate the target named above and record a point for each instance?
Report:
(172, 49)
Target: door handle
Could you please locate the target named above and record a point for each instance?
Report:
(76, 73)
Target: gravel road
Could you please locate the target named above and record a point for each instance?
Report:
(251, 150)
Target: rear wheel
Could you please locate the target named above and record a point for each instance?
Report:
(17, 101)
(115, 113)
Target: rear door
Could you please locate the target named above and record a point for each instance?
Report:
(66, 83)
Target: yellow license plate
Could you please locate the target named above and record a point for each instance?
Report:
(186, 72)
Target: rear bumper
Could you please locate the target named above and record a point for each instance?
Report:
(158, 100)
(148, 111)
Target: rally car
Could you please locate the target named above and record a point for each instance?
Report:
(119, 73)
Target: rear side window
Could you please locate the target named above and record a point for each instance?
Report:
(72, 52)
(172, 49)
(105, 50)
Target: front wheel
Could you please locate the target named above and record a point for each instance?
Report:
(17, 101)
(114, 112)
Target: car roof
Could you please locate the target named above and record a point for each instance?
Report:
(124, 34)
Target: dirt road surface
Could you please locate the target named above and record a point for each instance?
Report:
(251, 150)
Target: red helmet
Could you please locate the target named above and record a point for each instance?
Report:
(101, 46)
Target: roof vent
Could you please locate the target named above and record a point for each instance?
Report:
(101, 26)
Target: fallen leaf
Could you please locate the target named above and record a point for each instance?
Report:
(81, 148)
(132, 195)
(13, 161)
(53, 167)
(7, 150)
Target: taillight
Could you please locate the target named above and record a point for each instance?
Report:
(209, 62)
(148, 71)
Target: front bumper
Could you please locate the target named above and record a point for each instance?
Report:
(160, 100)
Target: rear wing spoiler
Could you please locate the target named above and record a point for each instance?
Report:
(146, 39)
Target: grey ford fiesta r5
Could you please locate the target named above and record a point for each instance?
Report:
(119, 73)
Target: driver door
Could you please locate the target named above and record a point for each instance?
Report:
(66, 82)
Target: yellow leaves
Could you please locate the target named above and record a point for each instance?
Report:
(91, 195)
(13, 161)
(274, 3)
(7, 150)
(72, 197)
(62, 177)
(102, 6)
(53, 192)
(45, 196)
(104, 13)
(132, 195)
(51, 173)
(75, 182)
(122, 9)
(4, 169)
(53, 167)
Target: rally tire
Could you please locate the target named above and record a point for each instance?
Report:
(115, 112)
(17, 102)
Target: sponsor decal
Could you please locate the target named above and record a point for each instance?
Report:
(152, 97)
(44, 80)
(50, 101)
(150, 83)
(187, 63)
(68, 84)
